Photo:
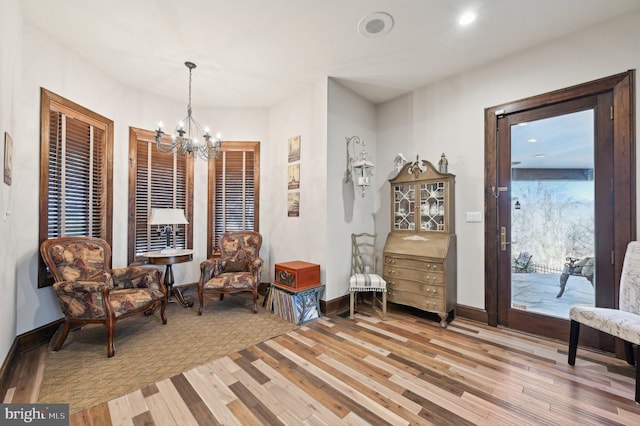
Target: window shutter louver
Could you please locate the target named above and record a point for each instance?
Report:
(76, 203)
(234, 196)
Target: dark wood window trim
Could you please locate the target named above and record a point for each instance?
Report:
(622, 86)
(180, 173)
(253, 149)
(101, 192)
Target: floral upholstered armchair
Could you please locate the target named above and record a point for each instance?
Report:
(623, 322)
(90, 292)
(237, 270)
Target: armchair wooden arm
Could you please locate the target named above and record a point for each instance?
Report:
(83, 299)
(210, 268)
(256, 268)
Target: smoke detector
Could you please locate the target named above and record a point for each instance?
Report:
(375, 24)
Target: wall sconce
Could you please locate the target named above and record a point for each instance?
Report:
(167, 217)
(359, 169)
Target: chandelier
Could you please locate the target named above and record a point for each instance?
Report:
(189, 137)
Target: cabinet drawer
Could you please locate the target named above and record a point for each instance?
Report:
(393, 272)
(420, 289)
(417, 301)
(412, 263)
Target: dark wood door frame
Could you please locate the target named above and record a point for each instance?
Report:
(622, 87)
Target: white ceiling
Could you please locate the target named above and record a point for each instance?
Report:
(255, 53)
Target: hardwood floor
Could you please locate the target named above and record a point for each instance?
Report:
(406, 370)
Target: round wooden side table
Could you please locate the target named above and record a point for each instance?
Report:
(168, 259)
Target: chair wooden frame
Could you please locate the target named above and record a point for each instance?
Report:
(98, 288)
(363, 272)
(214, 267)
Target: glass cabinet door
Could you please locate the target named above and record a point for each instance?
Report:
(432, 206)
(404, 207)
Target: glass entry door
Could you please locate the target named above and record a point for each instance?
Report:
(553, 214)
(555, 221)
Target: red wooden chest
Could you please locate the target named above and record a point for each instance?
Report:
(297, 275)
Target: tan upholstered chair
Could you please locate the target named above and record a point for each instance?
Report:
(624, 322)
(237, 270)
(90, 292)
(363, 272)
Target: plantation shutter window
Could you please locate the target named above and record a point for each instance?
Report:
(75, 188)
(157, 180)
(233, 191)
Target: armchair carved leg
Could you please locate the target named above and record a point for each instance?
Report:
(111, 329)
(163, 305)
(200, 299)
(63, 335)
(255, 299)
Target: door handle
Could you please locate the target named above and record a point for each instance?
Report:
(503, 238)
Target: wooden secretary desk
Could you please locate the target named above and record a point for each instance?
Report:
(420, 250)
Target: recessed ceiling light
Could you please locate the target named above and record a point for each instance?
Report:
(541, 155)
(532, 140)
(375, 24)
(467, 17)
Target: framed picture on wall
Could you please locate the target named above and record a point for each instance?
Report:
(293, 204)
(294, 149)
(293, 181)
(8, 158)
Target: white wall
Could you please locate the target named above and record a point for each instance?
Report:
(347, 211)
(449, 116)
(394, 136)
(10, 52)
(304, 237)
(48, 64)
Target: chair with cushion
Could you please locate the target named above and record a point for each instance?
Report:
(363, 272)
(90, 292)
(238, 268)
(624, 322)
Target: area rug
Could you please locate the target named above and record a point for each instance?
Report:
(82, 375)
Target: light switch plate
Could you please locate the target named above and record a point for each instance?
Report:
(474, 216)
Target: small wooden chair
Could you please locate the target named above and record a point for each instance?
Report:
(363, 272)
